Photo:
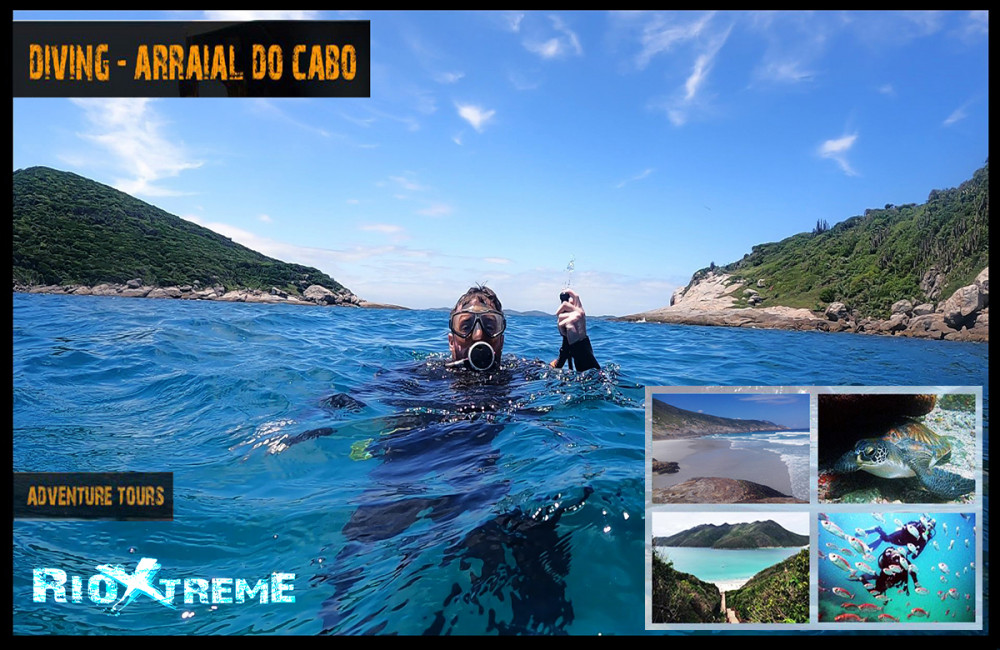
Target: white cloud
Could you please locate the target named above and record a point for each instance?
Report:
(784, 72)
(837, 150)
(496, 260)
(680, 108)
(638, 177)
(386, 228)
(564, 43)
(475, 115)
(660, 33)
(136, 139)
(449, 77)
(436, 210)
(250, 14)
(407, 183)
(265, 218)
(887, 89)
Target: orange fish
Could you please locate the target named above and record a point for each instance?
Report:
(840, 618)
(888, 617)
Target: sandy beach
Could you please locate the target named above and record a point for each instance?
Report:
(730, 585)
(712, 457)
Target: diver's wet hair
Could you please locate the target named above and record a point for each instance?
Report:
(481, 293)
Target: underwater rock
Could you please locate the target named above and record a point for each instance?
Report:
(720, 490)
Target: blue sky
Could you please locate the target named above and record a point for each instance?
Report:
(496, 147)
(787, 409)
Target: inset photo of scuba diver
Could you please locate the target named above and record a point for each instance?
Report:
(898, 447)
(897, 568)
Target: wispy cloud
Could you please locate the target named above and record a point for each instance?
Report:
(251, 14)
(837, 150)
(680, 109)
(436, 210)
(265, 218)
(638, 177)
(660, 33)
(887, 89)
(407, 183)
(496, 260)
(564, 43)
(784, 72)
(448, 77)
(475, 115)
(957, 115)
(137, 140)
(385, 228)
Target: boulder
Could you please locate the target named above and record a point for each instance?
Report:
(923, 309)
(902, 307)
(319, 295)
(836, 311)
(962, 305)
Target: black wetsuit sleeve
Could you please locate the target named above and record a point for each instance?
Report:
(583, 355)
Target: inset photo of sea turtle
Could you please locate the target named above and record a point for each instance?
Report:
(897, 447)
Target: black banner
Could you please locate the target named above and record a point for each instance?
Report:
(287, 58)
(94, 495)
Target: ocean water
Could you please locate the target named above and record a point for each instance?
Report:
(723, 565)
(330, 443)
(791, 446)
(946, 568)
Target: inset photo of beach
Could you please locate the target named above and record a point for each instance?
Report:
(898, 447)
(730, 567)
(729, 448)
(892, 568)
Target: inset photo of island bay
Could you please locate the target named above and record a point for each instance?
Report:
(730, 567)
(732, 448)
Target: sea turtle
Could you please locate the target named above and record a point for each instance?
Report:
(908, 449)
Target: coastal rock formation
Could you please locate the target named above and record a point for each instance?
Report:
(720, 490)
(665, 467)
(313, 295)
(712, 300)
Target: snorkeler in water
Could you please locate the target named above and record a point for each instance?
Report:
(894, 571)
(913, 536)
(477, 324)
(516, 555)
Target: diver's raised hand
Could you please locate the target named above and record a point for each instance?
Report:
(571, 319)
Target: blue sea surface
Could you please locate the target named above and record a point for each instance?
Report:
(718, 565)
(332, 444)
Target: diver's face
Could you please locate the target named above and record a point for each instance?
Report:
(460, 345)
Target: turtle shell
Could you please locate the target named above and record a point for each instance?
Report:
(918, 439)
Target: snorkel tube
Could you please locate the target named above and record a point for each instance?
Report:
(480, 357)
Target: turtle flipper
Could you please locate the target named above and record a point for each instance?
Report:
(945, 484)
(845, 464)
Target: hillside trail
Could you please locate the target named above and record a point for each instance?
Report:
(730, 613)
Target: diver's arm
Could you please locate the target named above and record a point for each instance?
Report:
(582, 354)
(571, 320)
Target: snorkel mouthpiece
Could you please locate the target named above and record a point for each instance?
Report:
(481, 356)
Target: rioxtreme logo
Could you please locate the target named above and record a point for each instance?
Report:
(102, 588)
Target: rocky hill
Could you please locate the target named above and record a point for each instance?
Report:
(778, 594)
(908, 270)
(759, 534)
(671, 422)
(683, 598)
(74, 235)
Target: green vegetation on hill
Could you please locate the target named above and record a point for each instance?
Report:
(672, 422)
(869, 262)
(758, 534)
(778, 594)
(72, 230)
(681, 597)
